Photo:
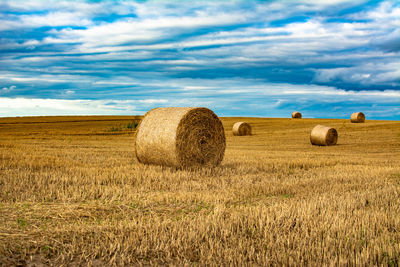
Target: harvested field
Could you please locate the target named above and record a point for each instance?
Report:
(72, 192)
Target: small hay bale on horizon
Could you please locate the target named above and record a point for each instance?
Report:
(323, 136)
(357, 117)
(241, 128)
(296, 115)
(183, 137)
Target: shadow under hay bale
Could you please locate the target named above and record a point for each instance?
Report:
(296, 115)
(323, 136)
(184, 137)
(241, 128)
(357, 117)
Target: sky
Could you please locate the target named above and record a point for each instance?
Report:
(326, 59)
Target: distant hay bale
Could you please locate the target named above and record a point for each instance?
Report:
(323, 136)
(182, 137)
(296, 115)
(241, 128)
(357, 117)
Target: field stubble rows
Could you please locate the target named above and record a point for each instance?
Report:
(72, 192)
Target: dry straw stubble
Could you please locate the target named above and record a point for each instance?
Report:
(241, 128)
(273, 202)
(296, 115)
(323, 136)
(357, 117)
(182, 137)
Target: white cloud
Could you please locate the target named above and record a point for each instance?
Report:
(55, 19)
(56, 5)
(41, 79)
(139, 30)
(58, 13)
(269, 99)
(325, 2)
(136, 56)
(69, 92)
(157, 24)
(385, 12)
(7, 89)
(153, 101)
(369, 73)
(37, 107)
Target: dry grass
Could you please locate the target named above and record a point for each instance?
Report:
(72, 192)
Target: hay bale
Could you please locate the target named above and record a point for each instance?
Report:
(357, 117)
(296, 115)
(180, 137)
(241, 128)
(323, 136)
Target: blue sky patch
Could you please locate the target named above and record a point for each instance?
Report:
(240, 58)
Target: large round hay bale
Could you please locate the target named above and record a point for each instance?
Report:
(323, 136)
(183, 137)
(296, 115)
(241, 128)
(357, 117)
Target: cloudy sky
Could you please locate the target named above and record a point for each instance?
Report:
(240, 58)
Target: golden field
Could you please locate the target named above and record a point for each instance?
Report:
(73, 193)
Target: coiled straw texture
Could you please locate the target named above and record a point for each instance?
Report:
(296, 115)
(184, 137)
(323, 136)
(241, 128)
(357, 117)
